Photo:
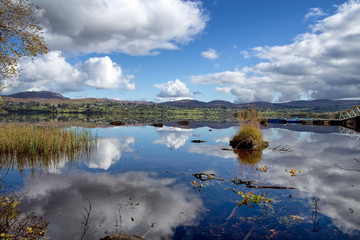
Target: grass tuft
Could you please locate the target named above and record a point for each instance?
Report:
(249, 136)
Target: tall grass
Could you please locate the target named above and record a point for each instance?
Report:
(249, 135)
(29, 145)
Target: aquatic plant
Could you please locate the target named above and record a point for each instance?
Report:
(249, 199)
(30, 145)
(293, 172)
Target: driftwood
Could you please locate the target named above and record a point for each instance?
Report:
(237, 181)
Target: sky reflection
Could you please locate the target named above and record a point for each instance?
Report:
(173, 137)
(109, 151)
(152, 188)
(319, 157)
(149, 206)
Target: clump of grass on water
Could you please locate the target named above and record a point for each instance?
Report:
(30, 145)
(249, 136)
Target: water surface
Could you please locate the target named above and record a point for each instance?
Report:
(141, 181)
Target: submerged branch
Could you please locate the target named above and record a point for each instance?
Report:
(237, 181)
(348, 169)
(271, 187)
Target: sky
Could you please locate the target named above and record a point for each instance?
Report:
(166, 50)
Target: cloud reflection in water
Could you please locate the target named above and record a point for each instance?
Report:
(109, 151)
(173, 137)
(320, 156)
(142, 199)
(317, 156)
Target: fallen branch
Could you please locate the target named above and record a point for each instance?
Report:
(86, 220)
(237, 181)
(271, 187)
(348, 169)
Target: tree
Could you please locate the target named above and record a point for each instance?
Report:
(20, 35)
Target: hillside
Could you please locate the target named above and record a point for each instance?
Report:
(321, 105)
(37, 95)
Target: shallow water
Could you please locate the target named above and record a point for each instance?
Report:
(140, 181)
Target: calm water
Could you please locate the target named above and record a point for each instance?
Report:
(140, 181)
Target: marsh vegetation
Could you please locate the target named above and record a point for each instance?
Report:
(26, 145)
(249, 137)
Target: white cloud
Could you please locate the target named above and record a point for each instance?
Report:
(103, 73)
(246, 54)
(137, 27)
(210, 54)
(173, 91)
(320, 64)
(315, 12)
(52, 72)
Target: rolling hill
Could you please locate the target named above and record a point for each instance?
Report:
(319, 105)
(37, 95)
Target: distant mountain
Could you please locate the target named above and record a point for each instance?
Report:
(322, 104)
(127, 101)
(37, 95)
(218, 104)
(187, 103)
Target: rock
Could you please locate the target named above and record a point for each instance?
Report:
(184, 123)
(157, 125)
(198, 141)
(117, 123)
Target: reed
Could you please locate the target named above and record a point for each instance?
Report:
(30, 145)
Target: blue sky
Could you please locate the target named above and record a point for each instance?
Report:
(164, 50)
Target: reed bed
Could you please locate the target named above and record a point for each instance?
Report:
(30, 145)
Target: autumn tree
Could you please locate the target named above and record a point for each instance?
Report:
(20, 35)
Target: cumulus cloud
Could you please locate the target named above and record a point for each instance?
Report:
(319, 64)
(52, 72)
(134, 27)
(105, 74)
(136, 200)
(210, 54)
(173, 91)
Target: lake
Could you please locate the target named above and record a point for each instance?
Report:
(157, 184)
